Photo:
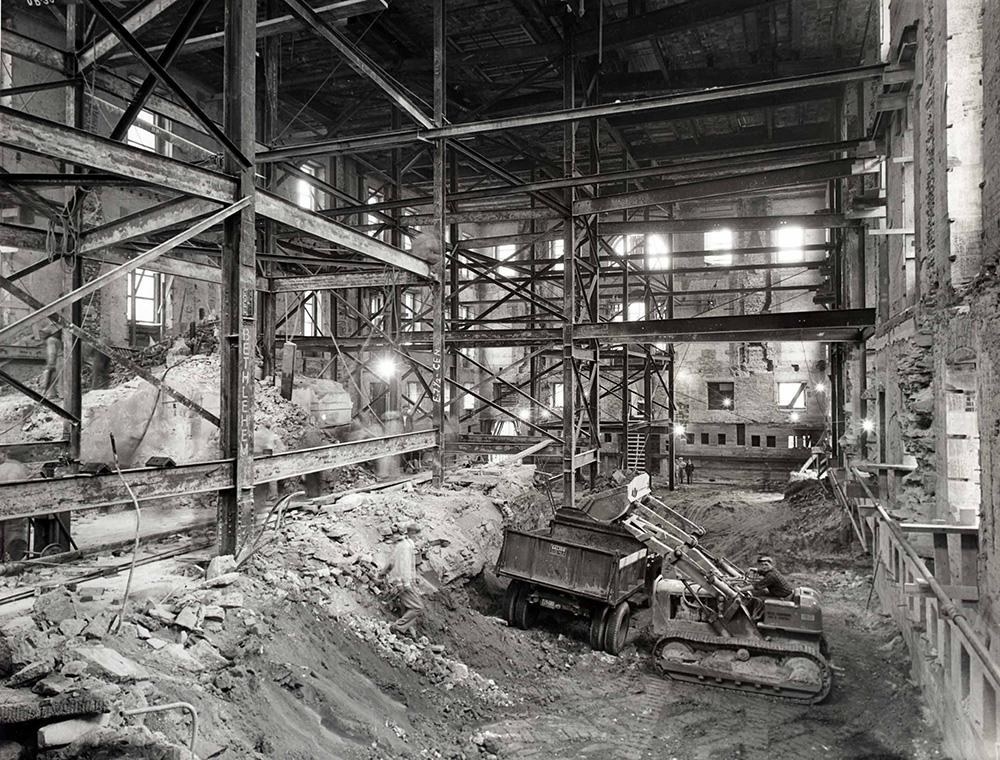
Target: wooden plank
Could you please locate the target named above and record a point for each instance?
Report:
(969, 558)
(942, 561)
(583, 458)
(294, 463)
(955, 593)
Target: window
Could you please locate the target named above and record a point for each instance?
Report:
(719, 240)
(689, 438)
(792, 395)
(556, 248)
(720, 396)
(503, 253)
(636, 311)
(142, 299)
(741, 434)
(772, 442)
(141, 134)
(722, 439)
(657, 253)
(557, 396)
(374, 196)
(468, 401)
(311, 317)
(408, 311)
(755, 441)
(789, 241)
(704, 439)
(307, 194)
(376, 304)
(412, 391)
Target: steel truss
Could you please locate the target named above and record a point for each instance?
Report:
(565, 315)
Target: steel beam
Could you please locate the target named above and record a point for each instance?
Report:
(358, 61)
(663, 103)
(271, 27)
(126, 37)
(340, 281)
(38, 398)
(142, 223)
(736, 184)
(101, 280)
(47, 138)
(133, 23)
(827, 326)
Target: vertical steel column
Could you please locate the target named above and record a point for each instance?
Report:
(394, 306)
(451, 269)
(268, 300)
(569, 271)
(534, 366)
(438, 303)
(238, 325)
(626, 390)
(671, 372)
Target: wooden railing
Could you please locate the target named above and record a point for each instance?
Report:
(935, 606)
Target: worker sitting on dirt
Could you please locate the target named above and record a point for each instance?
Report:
(402, 575)
(769, 582)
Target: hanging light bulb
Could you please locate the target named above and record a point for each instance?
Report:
(868, 426)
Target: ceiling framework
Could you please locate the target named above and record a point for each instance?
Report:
(566, 137)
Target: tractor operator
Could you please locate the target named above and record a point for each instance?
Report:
(769, 582)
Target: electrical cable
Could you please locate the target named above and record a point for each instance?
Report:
(119, 618)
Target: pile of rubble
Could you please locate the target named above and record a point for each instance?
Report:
(427, 659)
(73, 668)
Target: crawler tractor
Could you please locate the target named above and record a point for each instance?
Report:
(710, 628)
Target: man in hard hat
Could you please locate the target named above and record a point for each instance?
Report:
(402, 576)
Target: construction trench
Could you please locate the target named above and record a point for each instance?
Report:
(499, 378)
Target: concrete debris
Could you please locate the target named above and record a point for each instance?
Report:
(110, 663)
(11, 750)
(220, 566)
(29, 673)
(21, 706)
(68, 731)
(55, 606)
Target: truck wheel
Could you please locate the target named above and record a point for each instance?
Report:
(616, 629)
(524, 611)
(510, 600)
(598, 621)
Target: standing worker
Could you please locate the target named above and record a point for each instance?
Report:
(689, 470)
(402, 575)
(679, 470)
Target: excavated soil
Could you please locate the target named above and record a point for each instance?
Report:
(303, 665)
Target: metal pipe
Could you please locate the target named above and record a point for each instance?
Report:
(948, 608)
(187, 706)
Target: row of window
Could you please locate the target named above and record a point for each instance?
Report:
(797, 441)
(788, 240)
